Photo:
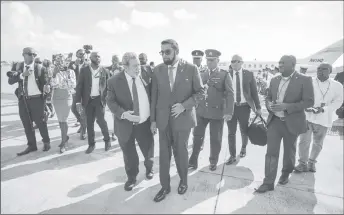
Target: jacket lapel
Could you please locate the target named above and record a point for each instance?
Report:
(125, 88)
(179, 75)
(89, 76)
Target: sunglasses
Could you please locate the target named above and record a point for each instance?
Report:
(236, 61)
(167, 52)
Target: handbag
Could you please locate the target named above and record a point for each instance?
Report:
(257, 132)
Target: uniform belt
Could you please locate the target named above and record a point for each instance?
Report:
(33, 96)
(241, 104)
(94, 97)
(280, 118)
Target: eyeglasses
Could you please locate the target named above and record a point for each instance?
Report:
(166, 52)
(236, 61)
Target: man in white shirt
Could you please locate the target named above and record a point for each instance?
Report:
(328, 96)
(128, 99)
(32, 83)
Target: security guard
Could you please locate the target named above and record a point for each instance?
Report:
(217, 106)
(197, 56)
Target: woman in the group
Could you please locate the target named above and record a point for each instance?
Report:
(63, 83)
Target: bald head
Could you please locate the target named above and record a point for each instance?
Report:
(236, 62)
(95, 58)
(287, 65)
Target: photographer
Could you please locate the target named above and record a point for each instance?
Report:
(328, 96)
(32, 84)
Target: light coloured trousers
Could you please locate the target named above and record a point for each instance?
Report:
(319, 132)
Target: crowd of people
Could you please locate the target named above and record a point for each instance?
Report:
(174, 99)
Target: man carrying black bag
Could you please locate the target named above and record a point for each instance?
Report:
(257, 131)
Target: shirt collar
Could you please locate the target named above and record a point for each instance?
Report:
(328, 80)
(175, 64)
(30, 65)
(239, 71)
(128, 77)
(287, 78)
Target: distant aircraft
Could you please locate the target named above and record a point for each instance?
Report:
(329, 55)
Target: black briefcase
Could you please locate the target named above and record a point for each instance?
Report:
(257, 132)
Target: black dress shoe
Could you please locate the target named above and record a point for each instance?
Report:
(193, 166)
(284, 179)
(212, 167)
(107, 146)
(182, 188)
(162, 194)
(90, 149)
(149, 175)
(27, 150)
(264, 188)
(129, 185)
(46, 147)
(231, 160)
(243, 153)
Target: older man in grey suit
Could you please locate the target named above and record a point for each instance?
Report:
(176, 87)
(289, 95)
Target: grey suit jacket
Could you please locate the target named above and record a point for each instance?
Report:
(299, 95)
(188, 90)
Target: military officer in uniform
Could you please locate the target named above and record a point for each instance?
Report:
(197, 56)
(217, 107)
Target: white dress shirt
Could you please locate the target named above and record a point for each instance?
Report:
(32, 88)
(282, 89)
(95, 81)
(174, 72)
(144, 107)
(333, 99)
(243, 100)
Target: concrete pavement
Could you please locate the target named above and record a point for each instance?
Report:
(48, 182)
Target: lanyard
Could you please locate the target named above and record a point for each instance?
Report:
(328, 87)
(279, 90)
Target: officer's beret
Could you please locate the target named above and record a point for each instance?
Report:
(197, 54)
(212, 53)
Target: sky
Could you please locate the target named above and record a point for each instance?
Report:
(255, 30)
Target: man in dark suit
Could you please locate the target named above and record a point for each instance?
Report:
(214, 109)
(176, 88)
(146, 70)
(32, 84)
(91, 91)
(246, 99)
(129, 99)
(289, 95)
(79, 114)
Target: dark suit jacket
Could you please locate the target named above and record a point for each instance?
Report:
(146, 73)
(188, 90)
(119, 100)
(299, 95)
(84, 85)
(249, 89)
(40, 74)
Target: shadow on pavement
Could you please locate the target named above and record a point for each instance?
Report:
(284, 199)
(203, 187)
(68, 159)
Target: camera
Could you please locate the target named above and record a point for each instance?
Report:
(88, 48)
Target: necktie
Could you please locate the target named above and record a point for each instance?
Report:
(135, 99)
(238, 88)
(26, 82)
(170, 75)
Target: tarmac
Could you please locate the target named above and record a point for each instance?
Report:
(74, 182)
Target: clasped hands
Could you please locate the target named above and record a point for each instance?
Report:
(277, 107)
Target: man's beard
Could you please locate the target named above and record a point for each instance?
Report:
(169, 62)
(323, 78)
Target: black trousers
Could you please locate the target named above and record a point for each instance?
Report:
(177, 141)
(35, 108)
(95, 110)
(74, 109)
(216, 131)
(277, 130)
(145, 140)
(242, 115)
